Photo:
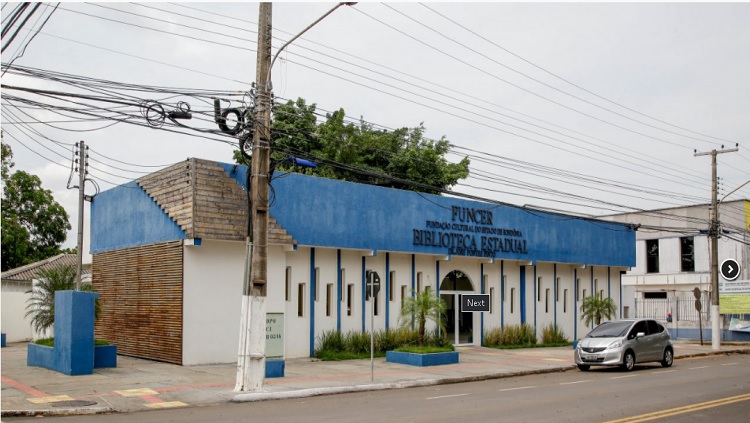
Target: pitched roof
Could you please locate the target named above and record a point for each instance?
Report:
(30, 271)
(205, 201)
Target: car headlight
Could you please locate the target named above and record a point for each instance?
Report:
(614, 345)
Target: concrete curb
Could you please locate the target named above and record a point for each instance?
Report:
(312, 392)
(59, 412)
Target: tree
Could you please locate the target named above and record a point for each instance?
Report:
(595, 307)
(34, 225)
(423, 306)
(400, 158)
(41, 305)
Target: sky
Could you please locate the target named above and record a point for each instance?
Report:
(589, 108)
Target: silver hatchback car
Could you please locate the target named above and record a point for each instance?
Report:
(624, 343)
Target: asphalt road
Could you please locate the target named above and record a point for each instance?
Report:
(710, 389)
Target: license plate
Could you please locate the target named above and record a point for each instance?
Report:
(589, 357)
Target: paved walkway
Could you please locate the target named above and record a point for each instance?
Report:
(137, 385)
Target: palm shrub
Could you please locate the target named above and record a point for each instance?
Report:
(420, 308)
(41, 305)
(594, 308)
(552, 334)
(523, 334)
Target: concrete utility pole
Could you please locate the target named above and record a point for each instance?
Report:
(83, 165)
(251, 363)
(713, 232)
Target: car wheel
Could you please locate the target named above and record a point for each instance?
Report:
(628, 362)
(583, 367)
(668, 358)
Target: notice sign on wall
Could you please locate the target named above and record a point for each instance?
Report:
(274, 335)
(734, 297)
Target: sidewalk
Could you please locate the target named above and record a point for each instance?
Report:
(137, 385)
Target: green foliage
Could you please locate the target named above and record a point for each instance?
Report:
(34, 225)
(512, 335)
(420, 308)
(425, 349)
(41, 305)
(594, 308)
(50, 342)
(335, 345)
(360, 152)
(553, 334)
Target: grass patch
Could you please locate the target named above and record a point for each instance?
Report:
(425, 349)
(50, 342)
(327, 355)
(334, 345)
(513, 347)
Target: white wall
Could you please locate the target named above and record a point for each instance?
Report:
(212, 301)
(15, 326)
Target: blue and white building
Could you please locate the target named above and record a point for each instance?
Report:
(168, 257)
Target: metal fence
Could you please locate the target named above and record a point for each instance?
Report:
(682, 309)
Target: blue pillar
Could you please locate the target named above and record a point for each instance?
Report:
(74, 332)
(313, 290)
(522, 294)
(338, 289)
(387, 289)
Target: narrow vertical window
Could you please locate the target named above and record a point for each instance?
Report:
(343, 284)
(578, 285)
(392, 284)
(652, 256)
(349, 296)
(419, 282)
(583, 295)
(301, 300)
(375, 304)
(546, 300)
(316, 281)
(403, 295)
(596, 286)
(329, 296)
(601, 294)
(539, 289)
(288, 284)
(504, 288)
(512, 299)
(557, 289)
(565, 301)
(492, 300)
(688, 254)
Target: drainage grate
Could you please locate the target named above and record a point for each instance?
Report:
(74, 403)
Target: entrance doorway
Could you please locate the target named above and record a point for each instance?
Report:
(459, 326)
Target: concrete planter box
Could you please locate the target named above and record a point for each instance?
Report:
(422, 360)
(40, 356)
(43, 356)
(275, 368)
(105, 356)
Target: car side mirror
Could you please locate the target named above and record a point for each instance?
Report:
(640, 334)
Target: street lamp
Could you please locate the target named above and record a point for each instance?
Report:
(251, 360)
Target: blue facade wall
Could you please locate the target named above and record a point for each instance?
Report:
(322, 212)
(125, 216)
(338, 214)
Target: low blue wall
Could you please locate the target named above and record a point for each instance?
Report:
(275, 368)
(73, 353)
(695, 334)
(422, 360)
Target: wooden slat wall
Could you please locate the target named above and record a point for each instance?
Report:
(141, 292)
(205, 201)
(172, 190)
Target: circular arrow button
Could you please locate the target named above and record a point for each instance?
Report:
(730, 269)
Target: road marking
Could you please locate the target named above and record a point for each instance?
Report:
(730, 364)
(516, 389)
(623, 377)
(572, 383)
(696, 368)
(447, 396)
(47, 400)
(137, 392)
(682, 410)
(169, 404)
(23, 387)
(663, 371)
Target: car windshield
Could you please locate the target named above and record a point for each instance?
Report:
(610, 330)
